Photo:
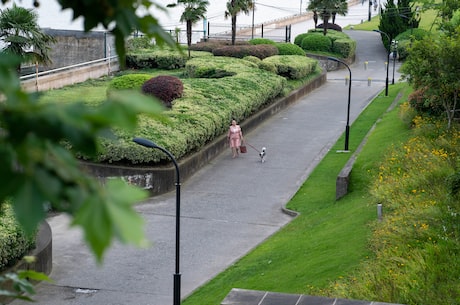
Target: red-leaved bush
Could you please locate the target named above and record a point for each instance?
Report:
(164, 87)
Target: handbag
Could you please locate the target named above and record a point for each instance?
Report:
(243, 149)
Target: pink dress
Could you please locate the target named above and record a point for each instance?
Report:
(234, 134)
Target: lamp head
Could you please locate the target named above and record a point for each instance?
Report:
(145, 142)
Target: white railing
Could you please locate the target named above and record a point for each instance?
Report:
(60, 77)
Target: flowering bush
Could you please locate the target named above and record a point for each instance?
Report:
(415, 245)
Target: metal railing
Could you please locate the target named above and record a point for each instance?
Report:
(47, 72)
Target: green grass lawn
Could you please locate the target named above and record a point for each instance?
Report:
(426, 22)
(329, 238)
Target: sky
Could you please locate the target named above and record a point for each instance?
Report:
(51, 16)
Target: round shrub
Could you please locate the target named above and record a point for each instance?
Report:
(330, 26)
(315, 42)
(286, 48)
(298, 39)
(128, 81)
(332, 34)
(261, 41)
(164, 87)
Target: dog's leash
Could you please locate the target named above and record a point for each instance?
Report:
(245, 142)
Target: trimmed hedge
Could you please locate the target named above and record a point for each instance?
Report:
(14, 244)
(292, 66)
(335, 42)
(298, 39)
(261, 51)
(286, 48)
(332, 34)
(159, 59)
(344, 47)
(315, 42)
(256, 41)
(128, 81)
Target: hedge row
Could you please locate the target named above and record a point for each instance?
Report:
(13, 242)
(334, 42)
(293, 66)
(203, 112)
(260, 51)
(284, 48)
(159, 59)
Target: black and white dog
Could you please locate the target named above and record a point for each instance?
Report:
(262, 154)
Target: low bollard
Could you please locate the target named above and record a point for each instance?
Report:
(369, 82)
(379, 212)
(347, 79)
(365, 65)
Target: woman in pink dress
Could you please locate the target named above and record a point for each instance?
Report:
(235, 137)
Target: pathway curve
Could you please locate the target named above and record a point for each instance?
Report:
(228, 207)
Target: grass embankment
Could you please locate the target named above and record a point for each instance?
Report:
(428, 21)
(328, 239)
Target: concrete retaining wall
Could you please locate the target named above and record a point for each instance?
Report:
(70, 76)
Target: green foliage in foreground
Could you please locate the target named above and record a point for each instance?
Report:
(326, 241)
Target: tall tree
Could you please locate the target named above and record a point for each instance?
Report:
(326, 9)
(22, 36)
(397, 18)
(194, 10)
(432, 68)
(234, 7)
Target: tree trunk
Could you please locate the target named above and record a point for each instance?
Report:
(325, 23)
(189, 36)
(233, 29)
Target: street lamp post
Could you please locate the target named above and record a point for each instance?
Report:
(253, 9)
(369, 13)
(347, 128)
(394, 44)
(388, 60)
(177, 275)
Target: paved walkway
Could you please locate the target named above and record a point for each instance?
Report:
(228, 207)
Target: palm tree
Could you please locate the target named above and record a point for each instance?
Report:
(327, 9)
(234, 7)
(21, 35)
(193, 12)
